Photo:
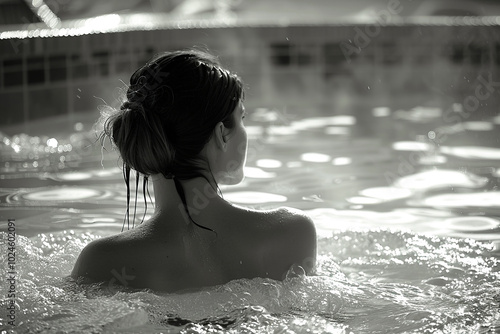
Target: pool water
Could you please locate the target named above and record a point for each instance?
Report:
(408, 230)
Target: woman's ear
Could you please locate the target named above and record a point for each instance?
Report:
(220, 137)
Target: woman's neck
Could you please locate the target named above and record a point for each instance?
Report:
(199, 194)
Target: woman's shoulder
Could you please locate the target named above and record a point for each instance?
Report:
(105, 244)
(295, 222)
(280, 218)
(91, 257)
(284, 224)
(293, 214)
(96, 257)
(286, 237)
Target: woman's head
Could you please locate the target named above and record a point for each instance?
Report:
(174, 106)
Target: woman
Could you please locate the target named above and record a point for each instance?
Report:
(182, 125)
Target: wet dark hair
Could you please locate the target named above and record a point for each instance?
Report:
(172, 106)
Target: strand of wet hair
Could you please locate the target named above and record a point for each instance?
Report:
(126, 176)
(137, 176)
(144, 188)
(180, 191)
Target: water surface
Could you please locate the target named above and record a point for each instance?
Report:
(408, 232)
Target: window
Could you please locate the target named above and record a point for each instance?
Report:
(14, 113)
(101, 62)
(36, 70)
(281, 54)
(475, 53)
(57, 68)
(391, 53)
(457, 54)
(334, 54)
(305, 56)
(143, 56)
(122, 62)
(12, 72)
(79, 67)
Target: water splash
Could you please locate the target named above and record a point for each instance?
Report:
(415, 283)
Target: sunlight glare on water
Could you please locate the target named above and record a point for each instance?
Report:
(363, 200)
(341, 161)
(268, 163)
(258, 173)
(74, 176)
(320, 122)
(432, 160)
(66, 194)
(315, 157)
(381, 112)
(440, 178)
(337, 130)
(480, 200)
(472, 152)
(253, 197)
(411, 146)
(471, 223)
(478, 126)
(386, 193)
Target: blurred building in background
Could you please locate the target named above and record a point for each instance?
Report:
(321, 57)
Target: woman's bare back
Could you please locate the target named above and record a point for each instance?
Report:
(253, 244)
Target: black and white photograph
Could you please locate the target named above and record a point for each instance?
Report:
(250, 166)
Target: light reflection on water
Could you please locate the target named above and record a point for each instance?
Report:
(268, 163)
(433, 179)
(253, 197)
(485, 200)
(387, 215)
(61, 194)
(473, 152)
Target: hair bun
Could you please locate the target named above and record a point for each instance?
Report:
(134, 109)
(141, 139)
(132, 106)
